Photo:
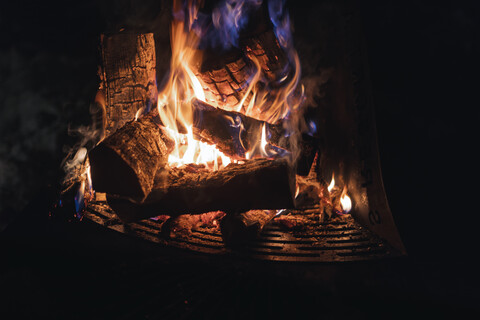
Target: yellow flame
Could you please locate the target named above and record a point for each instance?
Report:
(174, 101)
(183, 86)
(332, 183)
(345, 201)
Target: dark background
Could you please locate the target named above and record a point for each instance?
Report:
(423, 61)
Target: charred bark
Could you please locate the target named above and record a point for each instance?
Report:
(128, 76)
(125, 163)
(255, 184)
(232, 132)
(225, 76)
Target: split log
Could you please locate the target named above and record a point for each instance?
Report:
(125, 163)
(241, 227)
(128, 76)
(224, 76)
(255, 184)
(232, 132)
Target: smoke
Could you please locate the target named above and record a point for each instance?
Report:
(87, 137)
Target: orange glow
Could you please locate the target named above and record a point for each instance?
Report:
(174, 101)
(183, 86)
(345, 201)
(332, 183)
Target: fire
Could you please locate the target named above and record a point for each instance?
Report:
(332, 184)
(174, 101)
(345, 201)
(182, 85)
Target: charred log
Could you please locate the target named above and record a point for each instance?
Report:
(232, 132)
(125, 163)
(258, 183)
(128, 76)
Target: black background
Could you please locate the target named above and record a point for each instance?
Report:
(423, 62)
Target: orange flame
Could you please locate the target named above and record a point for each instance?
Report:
(332, 183)
(183, 86)
(345, 201)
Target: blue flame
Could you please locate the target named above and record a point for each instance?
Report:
(80, 199)
(281, 22)
(312, 128)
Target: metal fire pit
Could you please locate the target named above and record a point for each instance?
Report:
(348, 148)
(334, 241)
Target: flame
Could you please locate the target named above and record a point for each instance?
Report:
(332, 183)
(345, 201)
(182, 87)
(85, 191)
(269, 102)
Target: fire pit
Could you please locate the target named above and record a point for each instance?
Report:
(231, 153)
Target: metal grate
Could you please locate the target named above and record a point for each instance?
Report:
(333, 241)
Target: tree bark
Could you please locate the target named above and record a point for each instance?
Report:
(128, 76)
(256, 184)
(232, 132)
(125, 163)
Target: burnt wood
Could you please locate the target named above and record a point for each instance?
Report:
(233, 132)
(255, 184)
(125, 163)
(224, 76)
(128, 76)
(238, 228)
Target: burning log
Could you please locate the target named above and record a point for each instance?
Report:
(128, 76)
(241, 227)
(233, 132)
(125, 163)
(225, 76)
(258, 183)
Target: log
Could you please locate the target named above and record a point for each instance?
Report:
(128, 76)
(255, 184)
(224, 76)
(233, 132)
(241, 227)
(125, 163)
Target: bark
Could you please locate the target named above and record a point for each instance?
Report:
(125, 163)
(255, 184)
(224, 76)
(232, 132)
(128, 76)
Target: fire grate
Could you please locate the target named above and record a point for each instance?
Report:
(334, 241)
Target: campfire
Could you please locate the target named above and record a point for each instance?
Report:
(220, 143)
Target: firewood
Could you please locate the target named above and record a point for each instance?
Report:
(225, 76)
(128, 76)
(125, 163)
(255, 184)
(233, 132)
(238, 228)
